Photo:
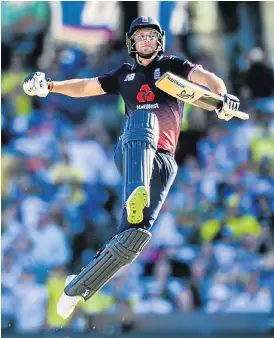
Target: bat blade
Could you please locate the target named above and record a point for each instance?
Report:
(192, 93)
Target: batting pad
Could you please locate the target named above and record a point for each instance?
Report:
(122, 249)
(139, 144)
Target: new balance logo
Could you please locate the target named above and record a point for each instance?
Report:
(129, 77)
(145, 94)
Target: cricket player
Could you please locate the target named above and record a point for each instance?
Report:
(144, 153)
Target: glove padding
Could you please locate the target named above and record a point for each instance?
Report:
(230, 104)
(36, 84)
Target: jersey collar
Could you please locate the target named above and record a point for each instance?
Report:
(157, 58)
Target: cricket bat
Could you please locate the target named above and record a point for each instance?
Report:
(192, 93)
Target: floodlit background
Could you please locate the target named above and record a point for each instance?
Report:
(212, 248)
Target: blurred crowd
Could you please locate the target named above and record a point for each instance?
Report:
(212, 248)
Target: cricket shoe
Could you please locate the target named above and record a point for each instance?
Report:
(67, 304)
(135, 204)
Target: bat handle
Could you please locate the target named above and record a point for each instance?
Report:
(241, 115)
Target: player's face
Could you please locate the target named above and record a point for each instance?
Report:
(146, 40)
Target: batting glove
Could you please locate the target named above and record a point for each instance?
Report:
(230, 105)
(36, 84)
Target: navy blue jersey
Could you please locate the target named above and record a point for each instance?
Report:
(136, 84)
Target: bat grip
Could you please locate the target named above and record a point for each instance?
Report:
(241, 115)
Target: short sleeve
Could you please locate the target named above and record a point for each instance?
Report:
(109, 81)
(183, 67)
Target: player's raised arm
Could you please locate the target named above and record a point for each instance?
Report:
(37, 84)
(210, 80)
(77, 87)
(231, 103)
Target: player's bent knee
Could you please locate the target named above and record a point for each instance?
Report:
(122, 249)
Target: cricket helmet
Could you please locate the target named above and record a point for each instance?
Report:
(144, 22)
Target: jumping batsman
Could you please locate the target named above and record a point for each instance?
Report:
(144, 153)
